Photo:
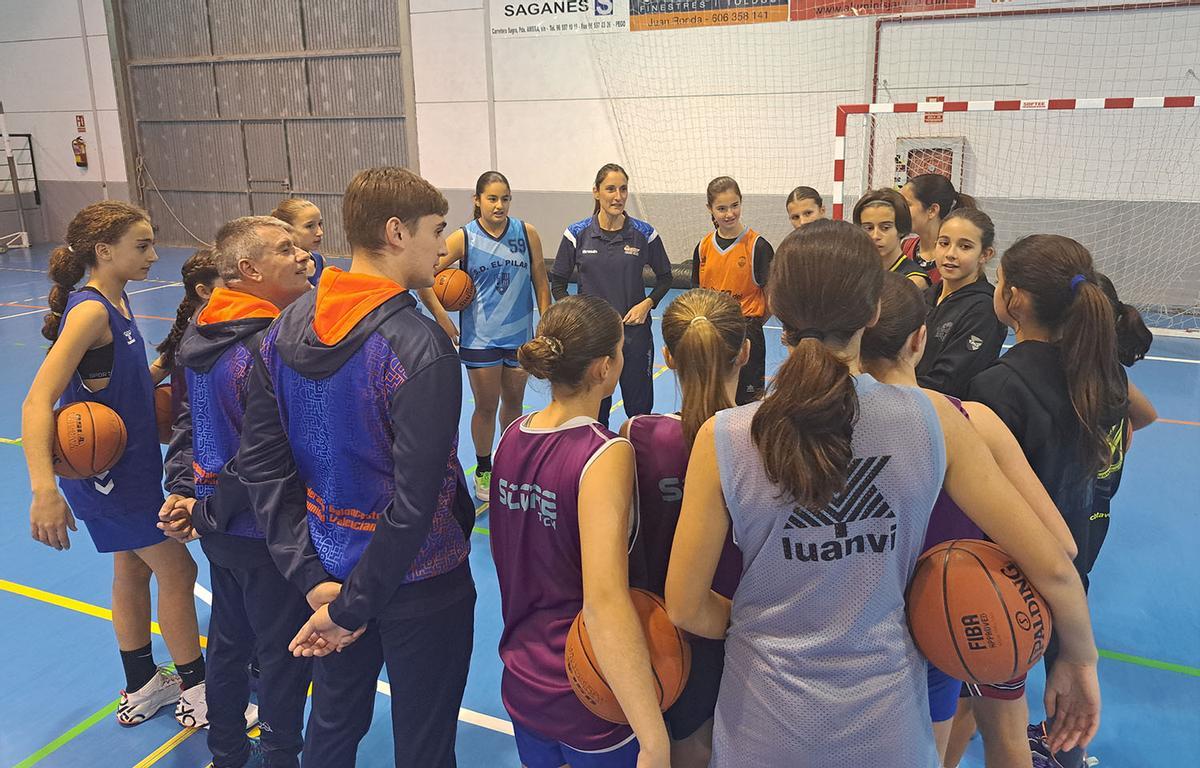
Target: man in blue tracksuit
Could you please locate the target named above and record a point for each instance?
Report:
(255, 611)
(350, 456)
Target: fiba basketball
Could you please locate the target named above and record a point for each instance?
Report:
(162, 412)
(89, 439)
(454, 289)
(670, 659)
(974, 614)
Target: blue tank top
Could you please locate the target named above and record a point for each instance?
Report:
(818, 620)
(501, 314)
(319, 263)
(134, 485)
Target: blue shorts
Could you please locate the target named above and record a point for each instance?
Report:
(536, 752)
(943, 694)
(488, 358)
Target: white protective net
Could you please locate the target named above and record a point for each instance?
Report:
(758, 102)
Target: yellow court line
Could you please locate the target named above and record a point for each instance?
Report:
(166, 747)
(71, 604)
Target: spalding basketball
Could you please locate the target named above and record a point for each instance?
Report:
(89, 439)
(162, 412)
(454, 289)
(670, 659)
(974, 614)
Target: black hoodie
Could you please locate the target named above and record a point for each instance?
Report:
(964, 337)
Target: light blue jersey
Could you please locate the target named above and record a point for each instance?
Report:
(501, 314)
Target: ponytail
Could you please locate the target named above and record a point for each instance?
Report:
(105, 222)
(199, 269)
(66, 270)
(824, 287)
(963, 202)
(932, 189)
(704, 331)
(1067, 299)
(488, 177)
(572, 333)
(1133, 337)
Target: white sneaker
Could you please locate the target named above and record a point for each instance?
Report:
(139, 706)
(192, 709)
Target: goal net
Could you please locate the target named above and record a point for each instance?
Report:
(1120, 171)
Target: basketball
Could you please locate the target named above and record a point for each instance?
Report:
(162, 412)
(974, 614)
(89, 439)
(454, 289)
(670, 659)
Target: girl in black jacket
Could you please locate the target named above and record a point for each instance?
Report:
(964, 334)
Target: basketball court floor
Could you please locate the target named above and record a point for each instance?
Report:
(62, 674)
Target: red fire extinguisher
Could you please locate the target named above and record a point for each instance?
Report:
(79, 146)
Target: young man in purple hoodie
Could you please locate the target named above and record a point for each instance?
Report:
(349, 452)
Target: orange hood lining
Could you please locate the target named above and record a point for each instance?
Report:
(228, 304)
(345, 298)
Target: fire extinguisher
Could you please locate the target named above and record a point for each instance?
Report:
(79, 146)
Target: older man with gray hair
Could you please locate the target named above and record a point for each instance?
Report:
(255, 611)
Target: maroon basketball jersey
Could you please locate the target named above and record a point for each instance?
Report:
(534, 513)
(947, 522)
(662, 458)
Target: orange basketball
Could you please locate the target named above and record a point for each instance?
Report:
(89, 439)
(454, 289)
(974, 614)
(162, 412)
(670, 659)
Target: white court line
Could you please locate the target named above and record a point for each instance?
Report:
(44, 311)
(466, 715)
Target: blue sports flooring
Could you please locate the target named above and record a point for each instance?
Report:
(62, 674)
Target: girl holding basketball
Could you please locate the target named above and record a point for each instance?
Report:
(611, 249)
(97, 355)
(890, 351)
(964, 335)
(818, 621)
(562, 516)
(1060, 389)
(883, 215)
(706, 345)
(931, 198)
(736, 260)
(804, 204)
(308, 228)
(503, 257)
(200, 279)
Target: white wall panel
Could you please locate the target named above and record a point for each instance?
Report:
(39, 19)
(113, 145)
(433, 6)
(93, 17)
(102, 72)
(448, 56)
(52, 136)
(453, 140)
(44, 75)
(556, 145)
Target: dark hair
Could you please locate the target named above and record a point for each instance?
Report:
(935, 189)
(1133, 337)
(490, 177)
(886, 196)
(704, 331)
(1057, 274)
(719, 185)
(199, 269)
(572, 333)
(378, 194)
(982, 222)
(825, 282)
(902, 310)
(804, 193)
(105, 222)
(606, 169)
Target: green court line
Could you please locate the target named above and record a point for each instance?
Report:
(10, 441)
(1142, 661)
(53, 746)
(484, 531)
